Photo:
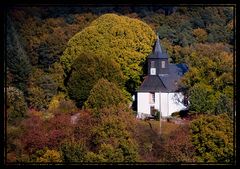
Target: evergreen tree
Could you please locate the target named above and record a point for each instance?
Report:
(87, 69)
(17, 60)
(105, 94)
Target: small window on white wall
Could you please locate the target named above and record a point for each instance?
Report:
(151, 98)
(163, 64)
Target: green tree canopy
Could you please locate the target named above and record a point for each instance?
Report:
(200, 34)
(201, 98)
(212, 136)
(50, 156)
(87, 69)
(113, 137)
(41, 89)
(16, 105)
(105, 94)
(128, 41)
(73, 151)
(17, 59)
(210, 77)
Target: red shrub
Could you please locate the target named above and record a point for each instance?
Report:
(39, 134)
(84, 125)
(35, 136)
(178, 146)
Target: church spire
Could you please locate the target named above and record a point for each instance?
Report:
(158, 60)
(157, 46)
(158, 51)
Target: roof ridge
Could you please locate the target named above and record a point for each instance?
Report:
(162, 82)
(144, 79)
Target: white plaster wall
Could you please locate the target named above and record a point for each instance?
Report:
(164, 104)
(157, 101)
(175, 102)
(170, 103)
(143, 105)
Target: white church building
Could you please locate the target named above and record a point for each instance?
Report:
(159, 90)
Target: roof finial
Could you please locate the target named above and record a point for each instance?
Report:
(157, 45)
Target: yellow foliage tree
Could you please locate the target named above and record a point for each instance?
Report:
(50, 156)
(61, 104)
(128, 41)
(200, 35)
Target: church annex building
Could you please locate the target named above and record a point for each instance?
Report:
(159, 89)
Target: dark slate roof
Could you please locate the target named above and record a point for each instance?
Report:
(165, 82)
(152, 84)
(158, 51)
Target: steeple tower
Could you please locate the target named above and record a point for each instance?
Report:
(158, 60)
(157, 48)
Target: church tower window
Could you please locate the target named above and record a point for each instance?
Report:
(163, 64)
(152, 64)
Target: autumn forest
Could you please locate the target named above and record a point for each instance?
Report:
(71, 72)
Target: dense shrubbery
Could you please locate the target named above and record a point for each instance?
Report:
(46, 156)
(178, 147)
(61, 104)
(112, 136)
(107, 137)
(73, 151)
